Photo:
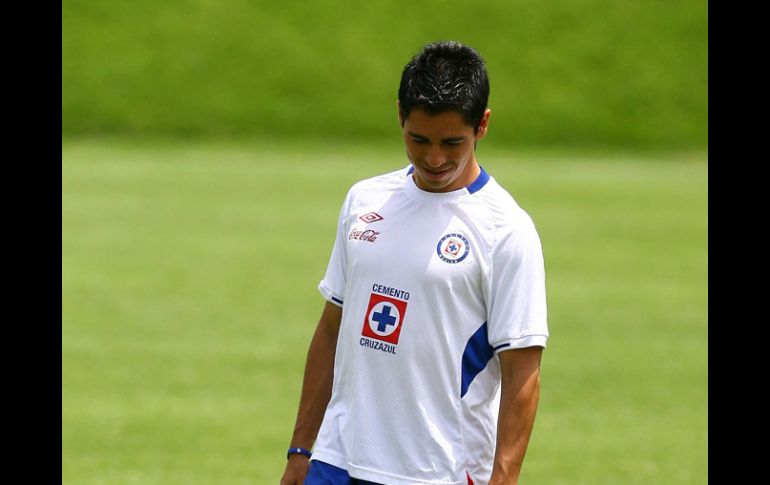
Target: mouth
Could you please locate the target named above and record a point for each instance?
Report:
(436, 175)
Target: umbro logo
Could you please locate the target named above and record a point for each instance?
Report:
(371, 217)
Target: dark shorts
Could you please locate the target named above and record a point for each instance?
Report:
(324, 474)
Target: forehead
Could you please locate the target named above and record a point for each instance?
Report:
(443, 124)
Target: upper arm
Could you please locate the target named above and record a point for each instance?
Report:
(518, 364)
(331, 317)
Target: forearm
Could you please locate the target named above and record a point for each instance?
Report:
(518, 405)
(317, 380)
(316, 392)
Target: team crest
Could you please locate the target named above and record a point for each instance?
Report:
(453, 248)
(384, 317)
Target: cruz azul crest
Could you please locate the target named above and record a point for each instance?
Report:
(452, 248)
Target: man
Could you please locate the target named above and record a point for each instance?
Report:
(424, 367)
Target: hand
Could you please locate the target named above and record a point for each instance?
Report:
(296, 470)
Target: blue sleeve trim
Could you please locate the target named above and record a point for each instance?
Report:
(337, 300)
(502, 346)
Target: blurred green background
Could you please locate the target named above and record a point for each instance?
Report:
(626, 73)
(206, 149)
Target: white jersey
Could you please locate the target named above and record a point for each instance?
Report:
(432, 286)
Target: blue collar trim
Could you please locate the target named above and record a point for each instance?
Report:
(480, 181)
(475, 186)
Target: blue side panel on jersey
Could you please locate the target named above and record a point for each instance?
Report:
(477, 354)
(480, 181)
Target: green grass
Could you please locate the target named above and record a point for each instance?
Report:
(628, 73)
(189, 276)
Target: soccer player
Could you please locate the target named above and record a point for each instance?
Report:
(425, 365)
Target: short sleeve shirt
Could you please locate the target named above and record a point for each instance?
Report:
(432, 287)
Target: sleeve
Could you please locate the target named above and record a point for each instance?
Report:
(517, 314)
(332, 286)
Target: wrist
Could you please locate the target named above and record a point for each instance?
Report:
(297, 450)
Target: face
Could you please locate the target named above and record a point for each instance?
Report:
(441, 148)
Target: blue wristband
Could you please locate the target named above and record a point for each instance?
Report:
(298, 451)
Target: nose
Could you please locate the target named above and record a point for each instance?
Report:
(435, 157)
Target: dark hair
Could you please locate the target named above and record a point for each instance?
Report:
(445, 76)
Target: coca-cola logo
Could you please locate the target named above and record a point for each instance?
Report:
(367, 235)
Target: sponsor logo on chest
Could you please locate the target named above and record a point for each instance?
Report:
(368, 235)
(384, 319)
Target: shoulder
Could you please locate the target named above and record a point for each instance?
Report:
(510, 230)
(381, 183)
(502, 208)
(376, 188)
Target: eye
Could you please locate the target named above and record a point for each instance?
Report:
(419, 140)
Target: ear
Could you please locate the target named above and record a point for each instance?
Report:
(483, 125)
(400, 114)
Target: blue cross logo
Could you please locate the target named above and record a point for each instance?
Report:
(452, 248)
(384, 318)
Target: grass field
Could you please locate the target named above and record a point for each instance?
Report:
(189, 276)
(629, 73)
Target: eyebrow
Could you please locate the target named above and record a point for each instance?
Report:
(422, 137)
